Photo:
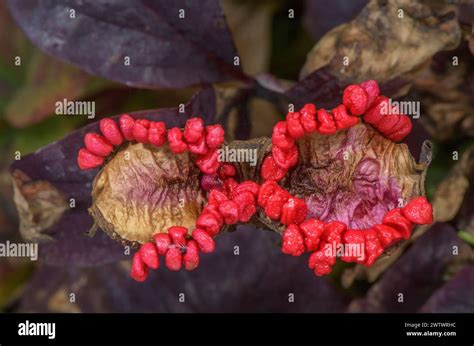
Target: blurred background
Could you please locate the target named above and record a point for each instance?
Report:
(290, 51)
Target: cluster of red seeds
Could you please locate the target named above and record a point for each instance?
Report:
(314, 235)
(230, 202)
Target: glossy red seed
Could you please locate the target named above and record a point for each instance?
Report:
(216, 197)
(175, 140)
(198, 148)
(293, 243)
(270, 170)
(209, 223)
(402, 129)
(387, 123)
(266, 190)
(139, 270)
(354, 246)
(312, 230)
(126, 126)
(373, 247)
(111, 131)
(204, 240)
(320, 263)
(140, 132)
(227, 170)
(327, 126)
(97, 144)
(387, 235)
(371, 89)
(342, 119)
(214, 136)
(209, 163)
(377, 111)
(191, 256)
(157, 133)
(275, 203)
(355, 99)
(293, 211)
(178, 234)
(230, 212)
(395, 219)
(214, 212)
(280, 136)
(333, 232)
(294, 126)
(173, 259)
(149, 255)
(162, 242)
(419, 211)
(249, 186)
(144, 122)
(230, 185)
(285, 159)
(194, 130)
(87, 160)
(246, 205)
(308, 118)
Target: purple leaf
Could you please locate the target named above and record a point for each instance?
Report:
(258, 279)
(56, 165)
(416, 275)
(455, 296)
(164, 49)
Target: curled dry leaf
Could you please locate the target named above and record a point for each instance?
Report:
(143, 44)
(386, 40)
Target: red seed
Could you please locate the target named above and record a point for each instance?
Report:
(371, 89)
(354, 239)
(175, 140)
(157, 133)
(419, 211)
(307, 118)
(173, 259)
(285, 159)
(214, 136)
(377, 111)
(209, 223)
(403, 129)
(87, 160)
(387, 123)
(191, 256)
(249, 186)
(162, 242)
(270, 170)
(312, 230)
(111, 131)
(275, 203)
(293, 243)
(293, 211)
(230, 185)
(342, 119)
(178, 234)
(246, 205)
(199, 148)
(214, 211)
(355, 99)
(204, 240)
(149, 255)
(227, 170)
(320, 263)
(395, 219)
(194, 130)
(333, 232)
(209, 163)
(144, 122)
(230, 212)
(140, 132)
(216, 197)
(293, 125)
(139, 271)
(327, 126)
(266, 190)
(97, 144)
(387, 235)
(280, 136)
(126, 126)
(373, 247)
